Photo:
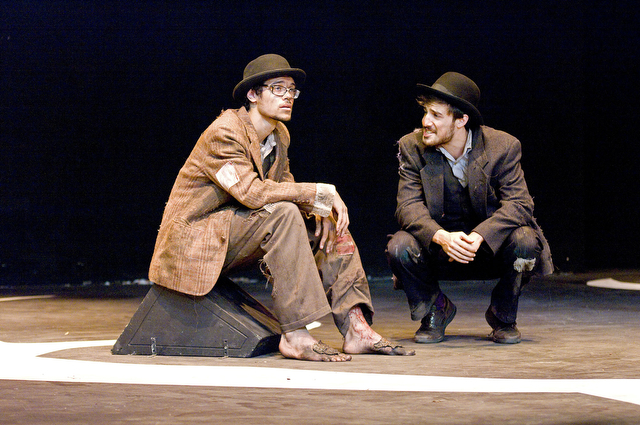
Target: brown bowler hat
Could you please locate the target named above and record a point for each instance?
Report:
(262, 68)
(457, 90)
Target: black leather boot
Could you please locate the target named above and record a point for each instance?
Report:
(434, 323)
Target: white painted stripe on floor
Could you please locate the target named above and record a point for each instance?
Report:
(21, 362)
(29, 297)
(614, 284)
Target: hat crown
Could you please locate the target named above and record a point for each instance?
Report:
(265, 63)
(460, 86)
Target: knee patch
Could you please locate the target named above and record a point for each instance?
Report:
(345, 245)
(525, 243)
(524, 264)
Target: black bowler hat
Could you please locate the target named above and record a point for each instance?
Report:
(457, 90)
(261, 69)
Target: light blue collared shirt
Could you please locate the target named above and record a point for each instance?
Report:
(459, 166)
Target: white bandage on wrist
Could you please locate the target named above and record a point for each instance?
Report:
(325, 193)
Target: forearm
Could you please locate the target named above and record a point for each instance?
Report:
(419, 223)
(234, 172)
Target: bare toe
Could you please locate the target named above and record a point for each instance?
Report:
(384, 346)
(328, 354)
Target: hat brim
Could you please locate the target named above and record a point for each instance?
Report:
(241, 89)
(475, 118)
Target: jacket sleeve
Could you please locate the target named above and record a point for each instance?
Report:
(411, 212)
(226, 160)
(509, 204)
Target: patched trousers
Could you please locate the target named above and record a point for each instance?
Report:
(307, 283)
(418, 270)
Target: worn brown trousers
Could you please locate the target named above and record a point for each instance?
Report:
(307, 282)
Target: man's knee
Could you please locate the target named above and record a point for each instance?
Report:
(285, 220)
(287, 211)
(524, 239)
(525, 247)
(403, 247)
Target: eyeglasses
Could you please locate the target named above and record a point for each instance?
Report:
(280, 91)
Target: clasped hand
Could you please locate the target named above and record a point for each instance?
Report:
(459, 246)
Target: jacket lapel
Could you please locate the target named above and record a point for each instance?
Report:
(254, 143)
(282, 144)
(254, 148)
(478, 181)
(432, 176)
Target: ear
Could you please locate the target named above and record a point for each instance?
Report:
(461, 122)
(252, 96)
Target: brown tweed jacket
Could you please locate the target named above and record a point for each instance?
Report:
(222, 172)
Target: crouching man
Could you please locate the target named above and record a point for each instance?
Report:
(465, 212)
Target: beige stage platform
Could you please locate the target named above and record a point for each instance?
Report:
(579, 363)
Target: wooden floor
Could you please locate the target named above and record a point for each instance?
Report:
(579, 363)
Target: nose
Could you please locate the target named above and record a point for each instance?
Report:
(288, 93)
(426, 121)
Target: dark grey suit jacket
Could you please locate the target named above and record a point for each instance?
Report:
(498, 190)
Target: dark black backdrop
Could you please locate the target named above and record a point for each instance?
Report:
(101, 102)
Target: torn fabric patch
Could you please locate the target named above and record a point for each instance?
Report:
(227, 176)
(270, 207)
(523, 264)
(345, 245)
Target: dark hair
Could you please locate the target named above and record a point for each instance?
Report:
(258, 88)
(425, 100)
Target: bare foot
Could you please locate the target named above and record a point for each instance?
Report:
(299, 344)
(361, 339)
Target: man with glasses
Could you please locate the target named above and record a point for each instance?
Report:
(465, 213)
(235, 203)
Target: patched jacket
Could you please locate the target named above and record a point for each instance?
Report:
(223, 172)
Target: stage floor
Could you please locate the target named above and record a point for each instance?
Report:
(578, 363)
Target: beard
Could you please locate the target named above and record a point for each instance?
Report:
(435, 140)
